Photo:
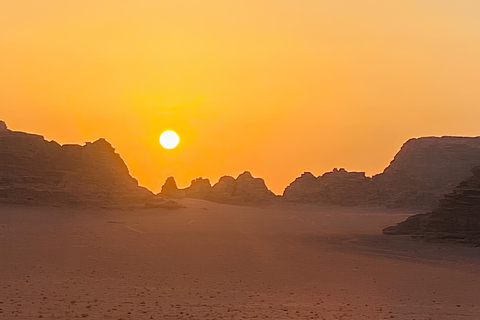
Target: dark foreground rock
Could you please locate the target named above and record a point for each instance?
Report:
(457, 217)
(34, 171)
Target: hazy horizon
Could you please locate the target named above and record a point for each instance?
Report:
(273, 89)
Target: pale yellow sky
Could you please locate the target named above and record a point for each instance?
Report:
(274, 87)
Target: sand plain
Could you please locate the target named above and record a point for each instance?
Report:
(212, 261)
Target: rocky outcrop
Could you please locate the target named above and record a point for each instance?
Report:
(456, 218)
(420, 174)
(34, 171)
(425, 169)
(170, 189)
(200, 188)
(244, 190)
(338, 187)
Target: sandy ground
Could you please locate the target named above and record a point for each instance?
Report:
(211, 261)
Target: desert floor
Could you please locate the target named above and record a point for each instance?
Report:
(211, 261)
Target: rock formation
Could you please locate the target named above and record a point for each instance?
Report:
(39, 172)
(456, 218)
(170, 189)
(338, 187)
(427, 168)
(245, 190)
(420, 174)
(199, 189)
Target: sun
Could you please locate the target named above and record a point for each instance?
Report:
(169, 139)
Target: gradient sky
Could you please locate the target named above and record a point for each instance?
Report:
(274, 87)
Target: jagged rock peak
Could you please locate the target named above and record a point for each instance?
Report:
(245, 175)
(307, 174)
(3, 126)
(169, 187)
(102, 142)
(200, 181)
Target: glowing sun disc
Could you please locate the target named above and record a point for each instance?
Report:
(169, 139)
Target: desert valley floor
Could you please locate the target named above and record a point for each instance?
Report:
(212, 261)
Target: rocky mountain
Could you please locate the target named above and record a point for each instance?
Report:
(427, 168)
(244, 190)
(338, 187)
(420, 174)
(456, 218)
(35, 171)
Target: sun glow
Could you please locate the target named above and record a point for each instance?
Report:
(169, 139)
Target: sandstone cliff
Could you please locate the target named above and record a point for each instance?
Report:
(456, 218)
(38, 172)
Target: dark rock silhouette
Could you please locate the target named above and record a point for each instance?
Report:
(420, 174)
(427, 168)
(3, 126)
(170, 188)
(245, 190)
(200, 188)
(456, 218)
(338, 187)
(38, 172)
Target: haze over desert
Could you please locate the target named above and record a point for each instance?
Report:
(254, 159)
(211, 261)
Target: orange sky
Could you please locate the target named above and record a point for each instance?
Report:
(274, 87)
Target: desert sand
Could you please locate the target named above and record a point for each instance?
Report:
(213, 261)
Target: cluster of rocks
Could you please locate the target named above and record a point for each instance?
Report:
(35, 171)
(244, 190)
(456, 218)
(338, 187)
(420, 174)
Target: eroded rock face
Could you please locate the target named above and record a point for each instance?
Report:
(456, 218)
(38, 172)
(338, 187)
(427, 168)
